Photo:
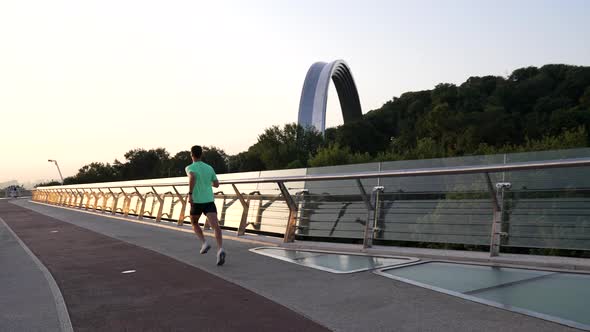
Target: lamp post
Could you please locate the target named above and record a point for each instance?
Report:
(56, 165)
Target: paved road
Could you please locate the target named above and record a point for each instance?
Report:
(162, 295)
(354, 302)
(20, 274)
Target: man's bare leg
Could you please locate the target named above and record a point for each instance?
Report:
(214, 222)
(212, 217)
(199, 232)
(197, 228)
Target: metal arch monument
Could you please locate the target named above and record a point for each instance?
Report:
(314, 95)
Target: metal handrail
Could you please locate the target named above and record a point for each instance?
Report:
(453, 170)
(64, 195)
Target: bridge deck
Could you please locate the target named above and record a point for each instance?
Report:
(175, 288)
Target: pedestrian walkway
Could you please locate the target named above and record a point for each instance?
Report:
(111, 285)
(28, 301)
(175, 288)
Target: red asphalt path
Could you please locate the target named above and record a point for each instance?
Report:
(163, 295)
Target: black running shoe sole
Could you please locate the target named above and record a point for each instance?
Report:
(206, 250)
(221, 259)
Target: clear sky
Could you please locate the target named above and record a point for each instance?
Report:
(84, 81)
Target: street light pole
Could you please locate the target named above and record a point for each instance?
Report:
(56, 165)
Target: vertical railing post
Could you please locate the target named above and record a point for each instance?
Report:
(59, 197)
(87, 198)
(301, 199)
(182, 199)
(259, 209)
(91, 199)
(245, 207)
(142, 208)
(497, 195)
(81, 193)
(87, 195)
(70, 195)
(75, 203)
(126, 203)
(370, 209)
(292, 221)
(66, 201)
(160, 205)
(153, 203)
(64, 197)
(95, 199)
(172, 206)
(90, 203)
(115, 201)
(373, 216)
(104, 201)
(224, 208)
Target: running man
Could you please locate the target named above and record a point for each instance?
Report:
(201, 180)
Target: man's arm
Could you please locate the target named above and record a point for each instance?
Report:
(191, 186)
(214, 181)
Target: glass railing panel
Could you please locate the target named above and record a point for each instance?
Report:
(464, 221)
(558, 222)
(335, 209)
(437, 209)
(548, 208)
(455, 183)
(270, 213)
(229, 208)
(549, 179)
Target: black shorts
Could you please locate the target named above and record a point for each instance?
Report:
(203, 208)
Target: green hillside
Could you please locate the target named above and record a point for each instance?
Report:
(532, 109)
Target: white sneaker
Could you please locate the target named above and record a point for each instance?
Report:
(205, 247)
(220, 257)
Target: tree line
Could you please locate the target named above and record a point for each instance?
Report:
(532, 109)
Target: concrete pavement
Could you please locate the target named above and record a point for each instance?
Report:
(30, 299)
(356, 302)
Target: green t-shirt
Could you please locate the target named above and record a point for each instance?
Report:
(204, 176)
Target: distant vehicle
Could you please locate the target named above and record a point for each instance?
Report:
(13, 191)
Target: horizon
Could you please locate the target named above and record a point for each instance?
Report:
(78, 76)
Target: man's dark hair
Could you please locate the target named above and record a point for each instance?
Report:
(197, 151)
